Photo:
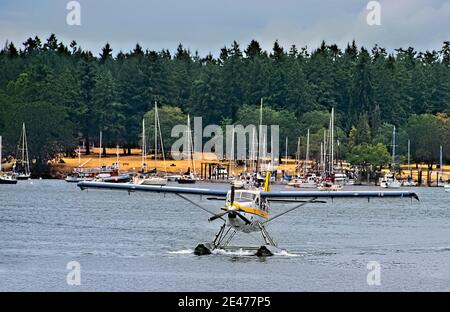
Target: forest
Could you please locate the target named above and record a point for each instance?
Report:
(66, 93)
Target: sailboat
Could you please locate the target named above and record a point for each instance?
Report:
(389, 180)
(9, 177)
(188, 177)
(152, 178)
(22, 165)
(409, 181)
(101, 173)
(440, 181)
(328, 183)
(308, 180)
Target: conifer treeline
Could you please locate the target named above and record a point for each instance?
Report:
(83, 93)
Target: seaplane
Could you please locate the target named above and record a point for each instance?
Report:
(245, 210)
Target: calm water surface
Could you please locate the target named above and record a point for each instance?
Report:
(145, 242)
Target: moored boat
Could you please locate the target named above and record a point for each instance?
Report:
(329, 185)
(21, 167)
(389, 181)
(8, 178)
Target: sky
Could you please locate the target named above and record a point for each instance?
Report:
(207, 26)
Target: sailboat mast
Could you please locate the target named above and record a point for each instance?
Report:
(232, 151)
(191, 162)
(117, 156)
(156, 133)
(393, 148)
(297, 157)
(162, 144)
(321, 155)
(409, 156)
(100, 151)
(286, 148)
(23, 144)
(332, 142)
(440, 160)
(307, 153)
(259, 151)
(272, 156)
(188, 129)
(26, 151)
(252, 154)
(324, 152)
(144, 145)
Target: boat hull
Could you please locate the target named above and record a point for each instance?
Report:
(154, 181)
(185, 181)
(117, 179)
(390, 185)
(7, 181)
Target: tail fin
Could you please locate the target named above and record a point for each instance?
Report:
(267, 182)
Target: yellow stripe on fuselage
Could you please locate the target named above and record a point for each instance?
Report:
(255, 211)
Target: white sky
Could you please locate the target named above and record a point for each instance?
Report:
(208, 25)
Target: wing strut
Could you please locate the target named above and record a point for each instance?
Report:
(197, 205)
(289, 210)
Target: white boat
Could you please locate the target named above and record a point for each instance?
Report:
(9, 177)
(447, 187)
(309, 182)
(340, 178)
(187, 179)
(389, 181)
(350, 182)
(154, 181)
(173, 177)
(409, 182)
(329, 186)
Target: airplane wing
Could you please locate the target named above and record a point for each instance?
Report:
(338, 194)
(152, 188)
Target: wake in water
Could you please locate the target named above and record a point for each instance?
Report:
(182, 252)
(238, 253)
(284, 253)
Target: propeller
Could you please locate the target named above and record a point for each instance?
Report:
(217, 216)
(233, 209)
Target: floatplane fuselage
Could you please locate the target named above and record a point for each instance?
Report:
(246, 211)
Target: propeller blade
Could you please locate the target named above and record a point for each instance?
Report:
(216, 198)
(217, 216)
(247, 221)
(232, 194)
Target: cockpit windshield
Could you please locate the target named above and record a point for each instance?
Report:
(243, 196)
